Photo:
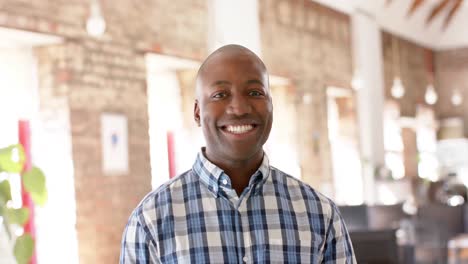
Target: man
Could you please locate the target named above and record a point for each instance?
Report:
(232, 206)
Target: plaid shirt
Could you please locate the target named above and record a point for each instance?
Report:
(197, 217)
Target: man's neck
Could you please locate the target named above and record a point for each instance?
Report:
(239, 171)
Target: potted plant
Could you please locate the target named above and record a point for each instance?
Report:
(12, 161)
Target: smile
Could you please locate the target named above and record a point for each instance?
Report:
(238, 129)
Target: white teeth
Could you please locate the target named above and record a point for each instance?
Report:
(239, 129)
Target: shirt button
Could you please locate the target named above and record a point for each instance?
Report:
(245, 259)
(224, 181)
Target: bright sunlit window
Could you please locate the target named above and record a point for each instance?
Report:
(281, 147)
(346, 164)
(428, 165)
(393, 141)
(166, 118)
(55, 222)
(12, 86)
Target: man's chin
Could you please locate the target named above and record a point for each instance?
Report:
(234, 153)
(244, 155)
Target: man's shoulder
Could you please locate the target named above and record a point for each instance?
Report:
(300, 188)
(161, 196)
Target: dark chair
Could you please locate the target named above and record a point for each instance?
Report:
(355, 217)
(385, 216)
(450, 219)
(435, 225)
(375, 247)
(465, 218)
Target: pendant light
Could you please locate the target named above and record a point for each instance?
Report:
(397, 90)
(431, 95)
(95, 25)
(457, 98)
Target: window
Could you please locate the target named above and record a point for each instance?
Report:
(393, 141)
(342, 133)
(428, 165)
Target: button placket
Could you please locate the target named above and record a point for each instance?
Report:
(246, 230)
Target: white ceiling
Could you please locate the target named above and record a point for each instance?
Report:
(393, 18)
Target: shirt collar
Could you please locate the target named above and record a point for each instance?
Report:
(210, 174)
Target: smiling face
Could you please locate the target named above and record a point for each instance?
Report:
(233, 105)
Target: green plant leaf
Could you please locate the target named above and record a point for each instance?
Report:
(34, 183)
(17, 216)
(24, 248)
(12, 159)
(5, 192)
(40, 198)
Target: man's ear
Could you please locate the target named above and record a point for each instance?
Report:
(196, 113)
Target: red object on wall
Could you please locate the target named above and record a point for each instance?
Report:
(24, 133)
(171, 154)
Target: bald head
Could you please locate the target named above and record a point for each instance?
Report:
(233, 107)
(227, 52)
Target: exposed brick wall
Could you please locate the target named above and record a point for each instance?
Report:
(86, 77)
(301, 38)
(410, 151)
(452, 72)
(415, 78)
(413, 69)
(103, 202)
(311, 45)
(169, 27)
(111, 79)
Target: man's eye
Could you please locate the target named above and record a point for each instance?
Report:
(255, 93)
(219, 95)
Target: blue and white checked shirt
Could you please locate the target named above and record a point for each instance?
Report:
(197, 217)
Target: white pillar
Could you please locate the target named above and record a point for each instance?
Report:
(368, 59)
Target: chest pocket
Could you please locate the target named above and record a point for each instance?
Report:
(277, 251)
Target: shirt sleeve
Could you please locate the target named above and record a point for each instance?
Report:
(338, 247)
(137, 244)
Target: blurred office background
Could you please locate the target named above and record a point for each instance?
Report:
(369, 104)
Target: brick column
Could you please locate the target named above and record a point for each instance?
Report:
(410, 152)
(318, 54)
(83, 80)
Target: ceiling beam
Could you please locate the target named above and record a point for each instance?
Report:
(416, 4)
(453, 11)
(436, 10)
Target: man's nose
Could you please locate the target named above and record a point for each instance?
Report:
(239, 105)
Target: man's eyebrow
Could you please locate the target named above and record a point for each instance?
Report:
(255, 81)
(220, 82)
